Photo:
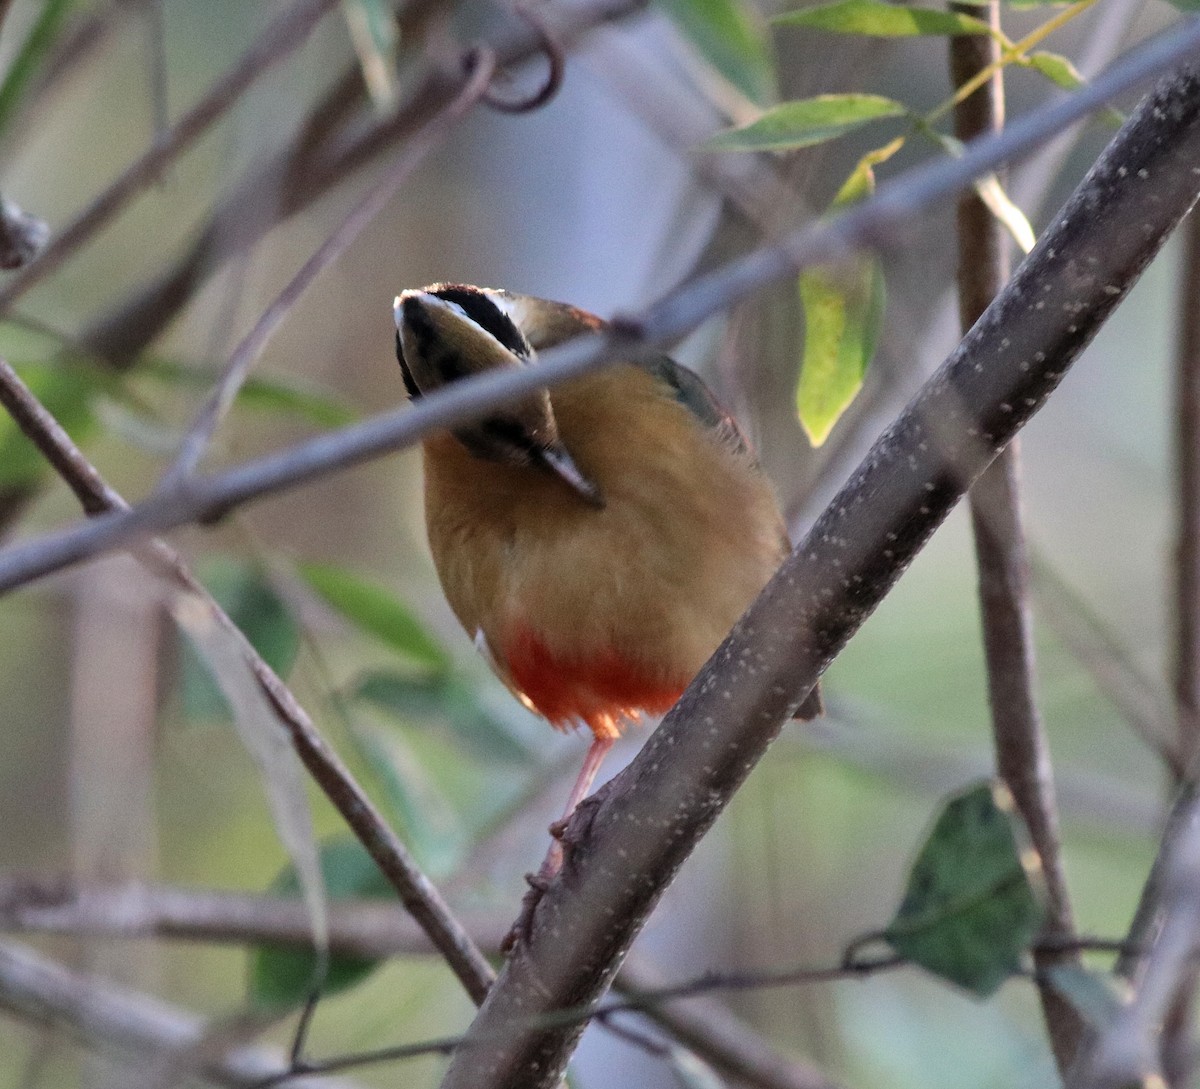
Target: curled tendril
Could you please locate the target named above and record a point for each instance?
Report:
(550, 47)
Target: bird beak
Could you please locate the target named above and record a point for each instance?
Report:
(559, 462)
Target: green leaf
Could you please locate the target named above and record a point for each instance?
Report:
(843, 311)
(447, 701)
(973, 902)
(260, 392)
(35, 47)
(375, 610)
(1058, 69)
(1186, 6)
(728, 35)
(805, 122)
(882, 20)
(69, 393)
(264, 619)
(282, 976)
(274, 395)
(375, 35)
(1097, 998)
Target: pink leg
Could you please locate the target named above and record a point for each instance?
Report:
(596, 753)
(553, 861)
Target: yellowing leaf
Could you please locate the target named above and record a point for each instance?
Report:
(992, 193)
(1058, 69)
(843, 309)
(861, 182)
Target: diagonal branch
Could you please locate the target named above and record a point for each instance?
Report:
(633, 836)
(415, 890)
(873, 222)
(1022, 749)
(237, 370)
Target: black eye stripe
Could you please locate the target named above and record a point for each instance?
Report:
(509, 431)
(409, 384)
(486, 314)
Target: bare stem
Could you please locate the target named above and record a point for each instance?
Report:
(1022, 750)
(1186, 596)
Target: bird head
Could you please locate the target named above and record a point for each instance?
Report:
(447, 332)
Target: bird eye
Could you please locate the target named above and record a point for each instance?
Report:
(487, 315)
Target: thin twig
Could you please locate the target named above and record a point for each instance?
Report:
(334, 142)
(1177, 1031)
(102, 1015)
(1129, 1050)
(281, 37)
(1186, 596)
(416, 891)
(136, 910)
(1022, 750)
(579, 1016)
(198, 436)
(59, 905)
(874, 222)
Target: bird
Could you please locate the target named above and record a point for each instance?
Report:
(597, 541)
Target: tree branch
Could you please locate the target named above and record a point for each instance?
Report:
(1129, 1051)
(1022, 750)
(1186, 596)
(237, 370)
(330, 147)
(104, 1016)
(873, 222)
(630, 839)
(282, 36)
(41, 905)
(416, 891)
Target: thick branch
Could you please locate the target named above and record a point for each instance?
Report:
(1022, 750)
(636, 832)
(873, 222)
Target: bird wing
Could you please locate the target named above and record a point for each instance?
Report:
(546, 324)
(690, 391)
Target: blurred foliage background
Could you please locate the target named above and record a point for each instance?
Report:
(118, 763)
